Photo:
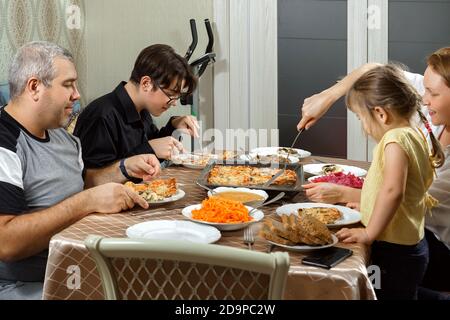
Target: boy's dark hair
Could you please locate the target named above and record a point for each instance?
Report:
(163, 65)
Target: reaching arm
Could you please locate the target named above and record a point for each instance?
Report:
(317, 105)
(25, 235)
(331, 193)
(143, 166)
(96, 177)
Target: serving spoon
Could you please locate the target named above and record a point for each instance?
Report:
(205, 187)
(276, 198)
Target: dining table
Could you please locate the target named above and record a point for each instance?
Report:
(71, 272)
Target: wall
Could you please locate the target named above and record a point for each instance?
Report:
(22, 21)
(412, 39)
(118, 30)
(312, 55)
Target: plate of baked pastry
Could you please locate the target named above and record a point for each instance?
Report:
(329, 214)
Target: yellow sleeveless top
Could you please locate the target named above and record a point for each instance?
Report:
(407, 225)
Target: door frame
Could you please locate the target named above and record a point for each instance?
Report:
(367, 41)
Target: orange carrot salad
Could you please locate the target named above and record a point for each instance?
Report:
(221, 210)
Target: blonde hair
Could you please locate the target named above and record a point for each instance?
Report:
(440, 62)
(386, 87)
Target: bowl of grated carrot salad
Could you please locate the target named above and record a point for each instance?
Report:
(222, 213)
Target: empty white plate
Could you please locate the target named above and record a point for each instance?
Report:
(174, 230)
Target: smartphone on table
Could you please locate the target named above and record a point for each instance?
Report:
(327, 258)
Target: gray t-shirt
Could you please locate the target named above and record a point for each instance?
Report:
(35, 174)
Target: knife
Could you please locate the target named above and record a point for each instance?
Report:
(165, 164)
(296, 137)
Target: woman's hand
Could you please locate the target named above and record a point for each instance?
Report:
(353, 235)
(314, 108)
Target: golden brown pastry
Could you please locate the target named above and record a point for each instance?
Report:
(324, 215)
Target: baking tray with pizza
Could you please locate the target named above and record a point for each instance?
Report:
(241, 173)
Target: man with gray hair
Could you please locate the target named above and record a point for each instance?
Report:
(42, 175)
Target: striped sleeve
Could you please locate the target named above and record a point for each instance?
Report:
(12, 195)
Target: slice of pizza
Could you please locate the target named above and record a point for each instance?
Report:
(163, 187)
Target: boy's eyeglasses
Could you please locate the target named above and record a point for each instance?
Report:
(171, 98)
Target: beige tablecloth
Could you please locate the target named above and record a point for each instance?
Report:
(68, 257)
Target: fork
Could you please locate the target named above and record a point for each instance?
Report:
(249, 239)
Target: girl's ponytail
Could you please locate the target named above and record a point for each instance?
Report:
(437, 155)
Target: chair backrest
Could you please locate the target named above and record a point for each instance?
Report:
(172, 270)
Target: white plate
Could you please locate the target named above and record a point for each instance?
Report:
(257, 216)
(189, 160)
(174, 230)
(177, 196)
(310, 179)
(316, 169)
(261, 193)
(267, 151)
(306, 247)
(349, 216)
(251, 157)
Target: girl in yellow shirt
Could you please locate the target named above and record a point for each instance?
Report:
(394, 198)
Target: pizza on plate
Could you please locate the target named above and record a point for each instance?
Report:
(155, 190)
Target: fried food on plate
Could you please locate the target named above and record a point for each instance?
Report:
(324, 215)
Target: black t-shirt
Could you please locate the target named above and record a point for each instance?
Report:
(111, 129)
